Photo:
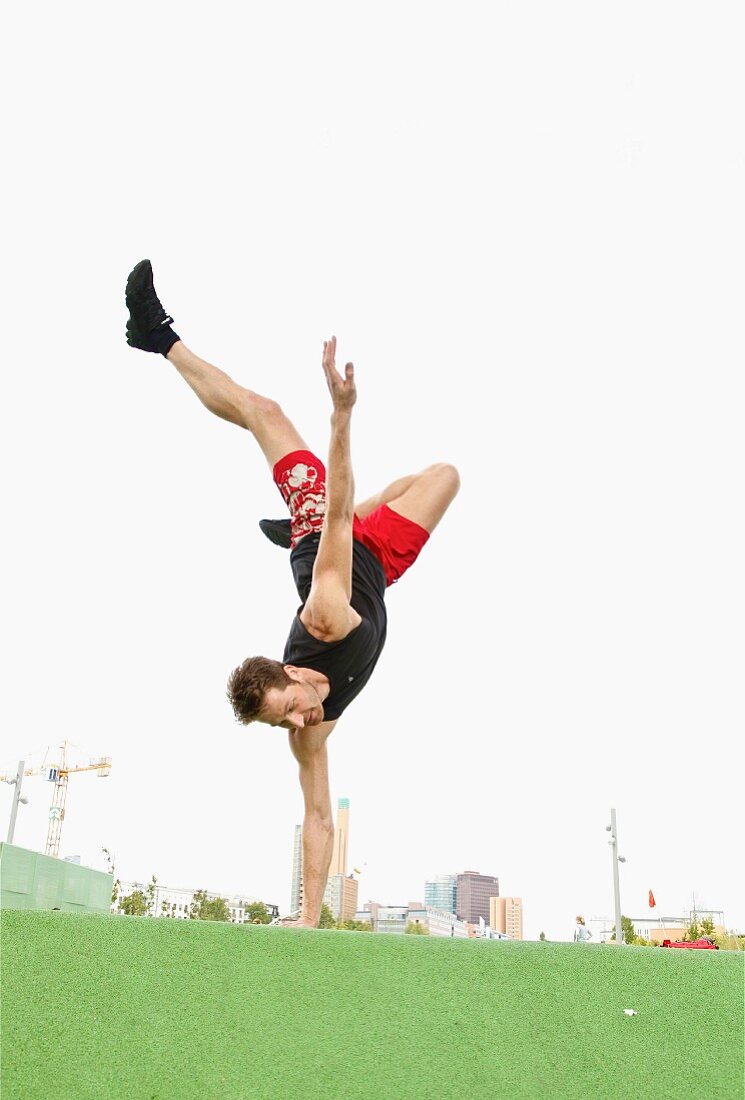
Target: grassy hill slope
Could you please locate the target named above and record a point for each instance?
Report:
(125, 1007)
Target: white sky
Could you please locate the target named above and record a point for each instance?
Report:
(524, 222)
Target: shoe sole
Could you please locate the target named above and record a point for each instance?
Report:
(277, 532)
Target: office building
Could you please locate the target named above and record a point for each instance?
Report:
(296, 892)
(439, 892)
(506, 915)
(472, 894)
(341, 896)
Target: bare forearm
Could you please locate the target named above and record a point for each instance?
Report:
(318, 845)
(339, 475)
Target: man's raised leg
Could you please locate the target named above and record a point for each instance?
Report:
(274, 432)
(149, 329)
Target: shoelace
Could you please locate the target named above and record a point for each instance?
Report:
(150, 310)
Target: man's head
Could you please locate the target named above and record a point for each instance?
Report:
(263, 690)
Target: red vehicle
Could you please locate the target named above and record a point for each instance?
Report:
(704, 944)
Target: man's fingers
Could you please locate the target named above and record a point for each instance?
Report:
(329, 351)
(336, 383)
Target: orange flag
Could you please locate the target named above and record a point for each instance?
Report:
(652, 902)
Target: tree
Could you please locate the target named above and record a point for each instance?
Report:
(730, 941)
(150, 896)
(257, 913)
(134, 904)
(542, 937)
(707, 927)
(204, 908)
(141, 902)
(416, 928)
(116, 884)
(327, 918)
(693, 931)
(354, 926)
(627, 927)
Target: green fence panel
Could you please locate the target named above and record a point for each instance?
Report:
(29, 880)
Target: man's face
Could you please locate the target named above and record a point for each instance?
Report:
(293, 707)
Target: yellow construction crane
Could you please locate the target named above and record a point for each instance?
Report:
(59, 773)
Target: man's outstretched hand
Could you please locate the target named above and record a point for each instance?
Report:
(343, 390)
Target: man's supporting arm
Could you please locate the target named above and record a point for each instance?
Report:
(327, 612)
(309, 749)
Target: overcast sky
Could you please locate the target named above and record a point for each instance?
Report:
(524, 223)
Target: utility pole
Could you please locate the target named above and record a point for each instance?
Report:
(613, 830)
(16, 799)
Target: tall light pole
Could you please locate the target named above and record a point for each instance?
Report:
(613, 830)
(17, 797)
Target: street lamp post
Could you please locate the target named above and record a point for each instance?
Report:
(613, 830)
(17, 797)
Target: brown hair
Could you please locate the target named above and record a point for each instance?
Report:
(248, 684)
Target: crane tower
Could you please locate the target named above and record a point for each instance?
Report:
(59, 774)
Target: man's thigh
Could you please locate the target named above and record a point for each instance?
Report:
(395, 540)
(427, 500)
(300, 477)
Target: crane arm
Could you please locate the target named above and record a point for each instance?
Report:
(28, 771)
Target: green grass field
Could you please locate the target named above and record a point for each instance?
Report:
(111, 1007)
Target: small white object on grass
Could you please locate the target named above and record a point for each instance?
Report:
(629, 1012)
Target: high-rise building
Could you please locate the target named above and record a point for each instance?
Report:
(341, 836)
(341, 890)
(472, 895)
(296, 893)
(506, 915)
(439, 892)
(341, 896)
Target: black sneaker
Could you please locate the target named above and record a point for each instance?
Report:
(277, 531)
(148, 327)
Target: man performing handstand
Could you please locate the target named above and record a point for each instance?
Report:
(343, 558)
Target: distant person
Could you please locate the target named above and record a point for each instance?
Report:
(343, 556)
(582, 934)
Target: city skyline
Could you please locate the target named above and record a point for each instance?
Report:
(446, 881)
(392, 896)
(467, 896)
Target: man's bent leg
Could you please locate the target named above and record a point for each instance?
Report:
(426, 497)
(395, 489)
(275, 434)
